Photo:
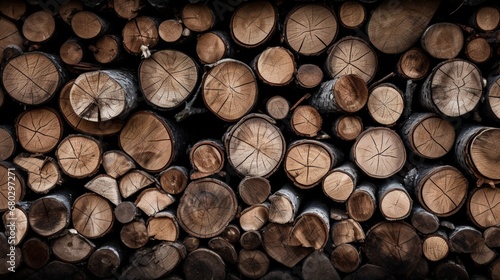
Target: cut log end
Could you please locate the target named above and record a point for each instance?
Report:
(39, 27)
(253, 23)
(309, 76)
(79, 156)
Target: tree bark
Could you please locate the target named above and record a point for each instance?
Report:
(423, 221)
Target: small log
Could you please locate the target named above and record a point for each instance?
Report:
(482, 254)
(318, 266)
(140, 31)
(346, 258)
(88, 25)
(206, 208)
(251, 240)
(191, 243)
(7, 142)
(311, 228)
(39, 130)
(254, 217)
(204, 264)
(243, 148)
(451, 270)
(170, 30)
(278, 107)
(413, 64)
(105, 261)
(168, 78)
(79, 156)
(39, 27)
(43, 172)
(274, 66)
(487, 18)
(464, 239)
(284, 205)
(31, 87)
(50, 215)
(72, 51)
(198, 17)
(224, 249)
(35, 252)
(347, 231)
(16, 225)
(68, 9)
(116, 163)
(492, 98)
(5, 249)
(308, 161)
(103, 95)
(362, 203)
(163, 226)
(347, 127)
(213, 46)
(92, 215)
(395, 246)
(155, 145)
(107, 49)
(306, 121)
(174, 179)
(352, 14)
(347, 93)
(388, 25)
(127, 9)
(105, 186)
(423, 221)
(9, 35)
(478, 50)
(134, 181)
(275, 237)
(339, 183)
(435, 246)
(492, 237)
(308, 76)
(394, 201)
(310, 28)
(231, 233)
(443, 47)
(207, 158)
(253, 23)
(351, 55)
(379, 152)
(385, 104)
(154, 262)
(134, 234)
(218, 87)
(13, 9)
(152, 200)
(445, 91)
(483, 207)
(253, 264)
(254, 190)
(126, 212)
(72, 247)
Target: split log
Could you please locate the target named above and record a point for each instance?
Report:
(105, 186)
(68, 9)
(483, 207)
(395, 246)
(126, 212)
(198, 17)
(254, 217)
(423, 221)
(389, 24)
(79, 155)
(16, 225)
(213, 46)
(394, 201)
(152, 141)
(191, 243)
(253, 23)
(311, 228)
(116, 163)
(306, 121)
(308, 161)
(308, 76)
(168, 78)
(134, 181)
(278, 107)
(13, 9)
(107, 49)
(352, 14)
(347, 127)
(163, 226)
(347, 231)
(33, 78)
(36, 253)
(477, 49)
(362, 203)
(385, 104)
(347, 93)
(224, 249)
(7, 142)
(50, 215)
(318, 266)
(207, 158)
(453, 89)
(134, 234)
(369, 271)
(206, 208)
(140, 31)
(244, 147)
(379, 152)
(413, 64)
(10, 35)
(251, 240)
(339, 183)
(171, 30)
(487, 18)
(127, 9)
(253, 264)
(435, 246)
(39, 27)
(451, 270)
(72, 52)
(229, 80)
(274, 243)
(174, 179)
(254, 190)
(92, 215)
(152, 200)
(284, 205)
(231, 233)
(72, 247)
(105, 261)
(346, 258)
(39, 130)
(492, 98)
(428, 135)
(464, 239)
(351, 55)
(441, 46)
(492, 237)
(204, 264)
(309, 29)
(88, 25)
(274, 66)
(43, 172)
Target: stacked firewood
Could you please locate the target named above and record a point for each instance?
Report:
(262, 139)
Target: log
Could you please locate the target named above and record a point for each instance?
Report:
(278, 107)
(318, 266)
(207, 157)
(39, 27)
(88, 25)
(254, 217)
(105, 261)
(486, 18)
(43, 172)
(443, 47)
(116, 163)
(491, 236)
(79, 155)
(163, 226)
(344, 94)
(340, 182)
(39, 130)
(206, 208)
(140, 31)
(33, 78)
(224, 249)
(385, 104)
(203, 264)
(495, 269)
(134, 235)
(134, 181)
(92, 215)
(13, 9)
(16, 226)
(12, 186)
(10, 35)
(213, 46)
(50, 215)
(72, 52)
(126, 212)
(228, 80)
(231, 233)
(310, 28)
(274, 243)
(308, 76)
(464, 239)
(369, 271)
(274, 66)
(198, 17)
(7, 142)
(451, 270)
(35, 252)
(107, 49)
(347, 231)
(243, 148)
(492, 96)
(105, 186)
(253, 23)
(253, 264)
(482, 254)
(378, 157)
(68, 9)
(351, 55)
(284, 205)
(346, 258)
(254, 190)
(152, 200)
(435, 246)
(251, 240)
(191, 243)
(352, 14)
(362, 203)
(72, 247)
(168, 78)
(171, 30)
(478, 50)
(483, 207)
(394, 201)
(127, 9)
(423, 221)
(57, 269)
(174, 179)
(311, 228)
(306, 121)
(347, 127)
(413, 64)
